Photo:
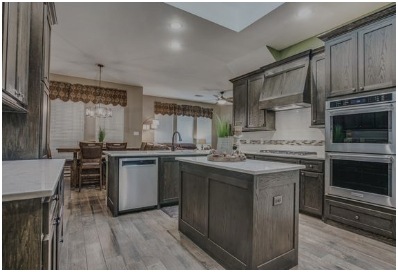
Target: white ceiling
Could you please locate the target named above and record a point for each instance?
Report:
(138, 47)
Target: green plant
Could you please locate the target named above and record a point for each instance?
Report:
(223, 128)
(101, 135)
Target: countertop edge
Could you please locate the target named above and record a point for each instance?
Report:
(311, 157)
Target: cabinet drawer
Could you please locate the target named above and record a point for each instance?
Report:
(277, 159)
(249, 156)
(362, 218)
(313, 166)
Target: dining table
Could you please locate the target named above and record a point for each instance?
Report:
(75, 150)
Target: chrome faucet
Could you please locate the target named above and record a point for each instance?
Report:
(173, 148)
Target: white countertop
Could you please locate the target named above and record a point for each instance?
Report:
(309, 157)
(155, 153)
(27, 179)
(253, 167)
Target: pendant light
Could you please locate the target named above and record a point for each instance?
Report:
(98, 110)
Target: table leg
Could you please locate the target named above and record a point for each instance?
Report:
(74, 170)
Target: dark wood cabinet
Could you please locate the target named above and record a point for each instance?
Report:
(311, 192)
(341, 65)
(168, 180)
(370, 220)
(311, 183)
(255, 116)
(318, 89)
(16, 38)
(32, 231)
(360, 56)
(376, 55)
(240, 103)
(27, 134)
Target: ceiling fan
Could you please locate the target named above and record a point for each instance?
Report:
(222, 100)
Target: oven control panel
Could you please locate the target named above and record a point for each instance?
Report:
(362, 100)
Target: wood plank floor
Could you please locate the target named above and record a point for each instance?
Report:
(93, 239)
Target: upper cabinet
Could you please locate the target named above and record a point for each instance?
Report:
(16, 40)
(318, 89)
(360, 56)
(246, 109)
(240, 103)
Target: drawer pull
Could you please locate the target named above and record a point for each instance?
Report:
(311, 166)
(302, 173)
(356, 217)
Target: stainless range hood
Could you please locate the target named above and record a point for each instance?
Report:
(287, 86)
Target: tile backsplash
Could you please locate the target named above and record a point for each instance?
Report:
(292, 132)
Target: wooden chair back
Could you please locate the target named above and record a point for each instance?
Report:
(90, 152)
(116, 146)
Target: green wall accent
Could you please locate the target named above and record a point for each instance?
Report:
(294, 49)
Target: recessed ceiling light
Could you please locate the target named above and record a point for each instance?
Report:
(176, 25)
(175, 45)
(198, 95)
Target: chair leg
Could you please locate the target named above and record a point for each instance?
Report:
(80, 180)
(100, 178)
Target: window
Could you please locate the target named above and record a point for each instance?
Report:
(165, 129)
(66, 125)
(185, 128)
(204, 128)
(114, 126)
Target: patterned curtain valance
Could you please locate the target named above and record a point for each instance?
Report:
(186, 110)
(86, 93)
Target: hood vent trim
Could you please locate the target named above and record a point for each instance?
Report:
(287, 86)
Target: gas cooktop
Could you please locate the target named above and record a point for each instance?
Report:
(287, 152)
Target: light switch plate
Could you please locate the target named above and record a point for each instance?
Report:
(136, 133)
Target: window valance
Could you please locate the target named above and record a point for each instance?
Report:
(86, 93)
(185, 110)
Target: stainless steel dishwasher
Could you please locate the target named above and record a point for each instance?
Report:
(138, 183)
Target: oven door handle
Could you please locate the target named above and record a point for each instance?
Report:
(362, 109)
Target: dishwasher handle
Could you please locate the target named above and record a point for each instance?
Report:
(138, 163)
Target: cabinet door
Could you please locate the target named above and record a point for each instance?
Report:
(45, 124)
(341, 65)
(46, 47)
(311, 193)
(12, 45)
(376, 55)
(168, 180)
(255, 115)
(318, 90)
(5, 39)
(240, 103)
(23, 51)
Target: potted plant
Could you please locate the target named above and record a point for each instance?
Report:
(101, 135)
(224, 141)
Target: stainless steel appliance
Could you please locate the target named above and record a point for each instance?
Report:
(365, 177)
(360, 148)
(364, 124)
(138, 183)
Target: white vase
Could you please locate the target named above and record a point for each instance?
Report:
(224, 145)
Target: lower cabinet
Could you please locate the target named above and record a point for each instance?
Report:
(375, 221)
(32, 231)
(311, 193)
(168, 180)
(311, 183)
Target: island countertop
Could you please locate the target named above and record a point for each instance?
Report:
(26, 179)
(253, 167)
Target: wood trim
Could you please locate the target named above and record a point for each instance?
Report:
(52, 13)
(378, 15)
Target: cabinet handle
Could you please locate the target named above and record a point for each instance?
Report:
(310, 165)
(302, 173)
(356, 217)
(353, 89)
(314, 121)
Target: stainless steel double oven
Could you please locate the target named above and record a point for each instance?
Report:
(360, 147)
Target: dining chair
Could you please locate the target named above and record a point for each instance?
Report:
(90, 167)
(116, 146)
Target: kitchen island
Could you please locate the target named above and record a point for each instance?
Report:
(243, 214)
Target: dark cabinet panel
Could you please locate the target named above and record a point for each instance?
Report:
(168, 180)
(311, 192)
(318, 89)
(376, 50)
(255, 115)
(341, 65)
(240, 103)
